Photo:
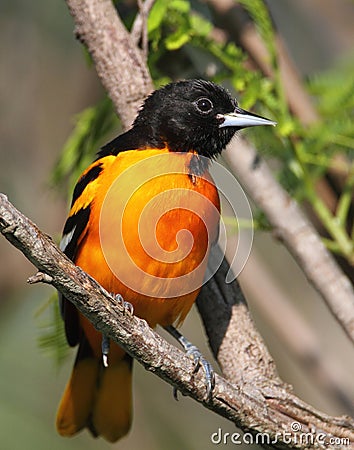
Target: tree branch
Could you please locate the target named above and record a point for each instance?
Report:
(295, 332)
(139, 29)
(118, 62)
(296, 232)
(265, 407)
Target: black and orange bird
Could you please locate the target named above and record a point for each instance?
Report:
(143, 217)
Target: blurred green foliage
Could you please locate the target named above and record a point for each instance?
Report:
(51, 338)
(91, 128)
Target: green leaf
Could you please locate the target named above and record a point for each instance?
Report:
(178, 39)
(92, 126)
(199, 25)
(182, 6)
(157, 14)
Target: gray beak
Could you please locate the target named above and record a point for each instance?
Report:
(242, 119)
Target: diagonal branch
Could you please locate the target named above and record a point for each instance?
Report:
(257, 409)
(296, 232)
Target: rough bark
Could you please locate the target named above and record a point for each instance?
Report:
(119, 63)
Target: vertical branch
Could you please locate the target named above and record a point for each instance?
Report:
(139, 29)
(119, 63)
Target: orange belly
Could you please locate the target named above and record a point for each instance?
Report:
(152, 241)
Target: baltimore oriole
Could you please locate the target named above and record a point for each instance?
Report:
(124, 229)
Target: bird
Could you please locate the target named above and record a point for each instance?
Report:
(151, 184)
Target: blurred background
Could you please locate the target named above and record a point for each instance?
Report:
(44, 81)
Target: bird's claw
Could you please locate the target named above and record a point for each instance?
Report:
(128, 308)
(200, 362)
(105, 345)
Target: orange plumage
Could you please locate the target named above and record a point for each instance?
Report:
(164, 309)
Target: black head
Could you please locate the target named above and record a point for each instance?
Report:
(192, 115)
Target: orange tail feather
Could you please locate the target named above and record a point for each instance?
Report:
(97, 398)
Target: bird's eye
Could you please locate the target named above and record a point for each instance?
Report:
(204, 105)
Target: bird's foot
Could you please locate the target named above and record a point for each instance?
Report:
(199, 361)
(127, 307)
(105, 345)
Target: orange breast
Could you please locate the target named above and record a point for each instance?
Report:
(149, 233)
